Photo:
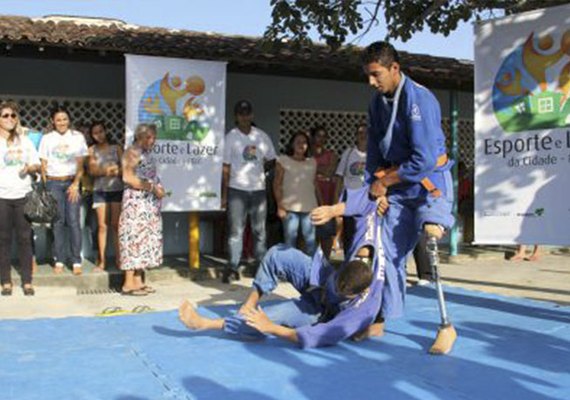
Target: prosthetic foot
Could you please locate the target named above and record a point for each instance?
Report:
(444, 340)
(446, 334)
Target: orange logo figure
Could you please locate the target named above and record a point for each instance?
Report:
(536, 61)
(512, 86)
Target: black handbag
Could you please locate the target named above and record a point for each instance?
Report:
(40, 206)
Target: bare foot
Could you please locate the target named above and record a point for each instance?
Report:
(376, 329)
(534, 257)
(517, 257)
(189, 316)
(444, 340)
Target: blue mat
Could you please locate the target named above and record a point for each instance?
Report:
(508, 348)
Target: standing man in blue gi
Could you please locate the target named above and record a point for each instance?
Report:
(409, 173)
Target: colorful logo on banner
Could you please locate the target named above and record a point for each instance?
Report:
(174, 107)
(532, 87)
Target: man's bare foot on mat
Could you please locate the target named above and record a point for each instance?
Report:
(190, 317)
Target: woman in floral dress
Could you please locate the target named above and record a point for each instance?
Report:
(140, 224)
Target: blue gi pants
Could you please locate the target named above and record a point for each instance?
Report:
(281, 263)
(402, 226)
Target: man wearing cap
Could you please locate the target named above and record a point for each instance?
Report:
(247, 150)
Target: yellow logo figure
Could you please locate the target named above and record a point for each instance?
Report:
(532, 85)
(173, 106)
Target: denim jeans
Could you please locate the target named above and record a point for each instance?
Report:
(281, 263)
(240, 205)
(68, 215)
(291, 228)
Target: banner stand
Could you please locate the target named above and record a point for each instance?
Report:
(194, 240)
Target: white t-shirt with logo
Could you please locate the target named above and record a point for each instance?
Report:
(246, 155)
(61, 152)
(351, 168)
(13, 158)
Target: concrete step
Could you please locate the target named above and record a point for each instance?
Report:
(177, 268)
(173, 268)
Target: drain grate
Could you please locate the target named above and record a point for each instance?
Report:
(83, 292)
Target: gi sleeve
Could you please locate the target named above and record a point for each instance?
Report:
(373, 156)
(358, 202)
(424, 126)
(345, 324)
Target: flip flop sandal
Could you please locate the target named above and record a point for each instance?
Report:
(141, 309)
(148, 289)
(134, 292)
(112, 312)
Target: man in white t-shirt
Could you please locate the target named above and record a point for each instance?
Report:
(350, 175)
(247, 150)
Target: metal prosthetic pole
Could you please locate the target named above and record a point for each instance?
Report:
(434, 261)
(446, 334)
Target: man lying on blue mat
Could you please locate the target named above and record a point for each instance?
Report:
(334, 304)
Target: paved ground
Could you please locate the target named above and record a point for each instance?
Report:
(482, 269)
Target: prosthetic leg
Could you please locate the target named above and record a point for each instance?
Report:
(446, 334)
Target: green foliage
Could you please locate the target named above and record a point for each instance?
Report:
(334, 20)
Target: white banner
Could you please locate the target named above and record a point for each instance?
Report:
(522, 129)
(186, 100)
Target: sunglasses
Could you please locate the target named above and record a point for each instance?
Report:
(6, 116)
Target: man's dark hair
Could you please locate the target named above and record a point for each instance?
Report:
(382, 53)
(354, 278)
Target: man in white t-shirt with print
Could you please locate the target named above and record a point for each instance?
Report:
(350, 175)
(247, 150)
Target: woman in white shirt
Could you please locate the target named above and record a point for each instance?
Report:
(18, 159)
(62, 153)
(294, 187)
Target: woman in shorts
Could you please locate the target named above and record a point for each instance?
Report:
(105, 168)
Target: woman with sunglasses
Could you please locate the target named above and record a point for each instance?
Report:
(18, 159)
(62, 153)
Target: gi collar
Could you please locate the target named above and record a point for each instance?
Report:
(387, 139)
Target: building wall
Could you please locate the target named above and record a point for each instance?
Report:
(269, 94)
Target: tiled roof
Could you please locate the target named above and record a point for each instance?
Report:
(243, 54)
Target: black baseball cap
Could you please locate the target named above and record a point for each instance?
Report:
(243, 107)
